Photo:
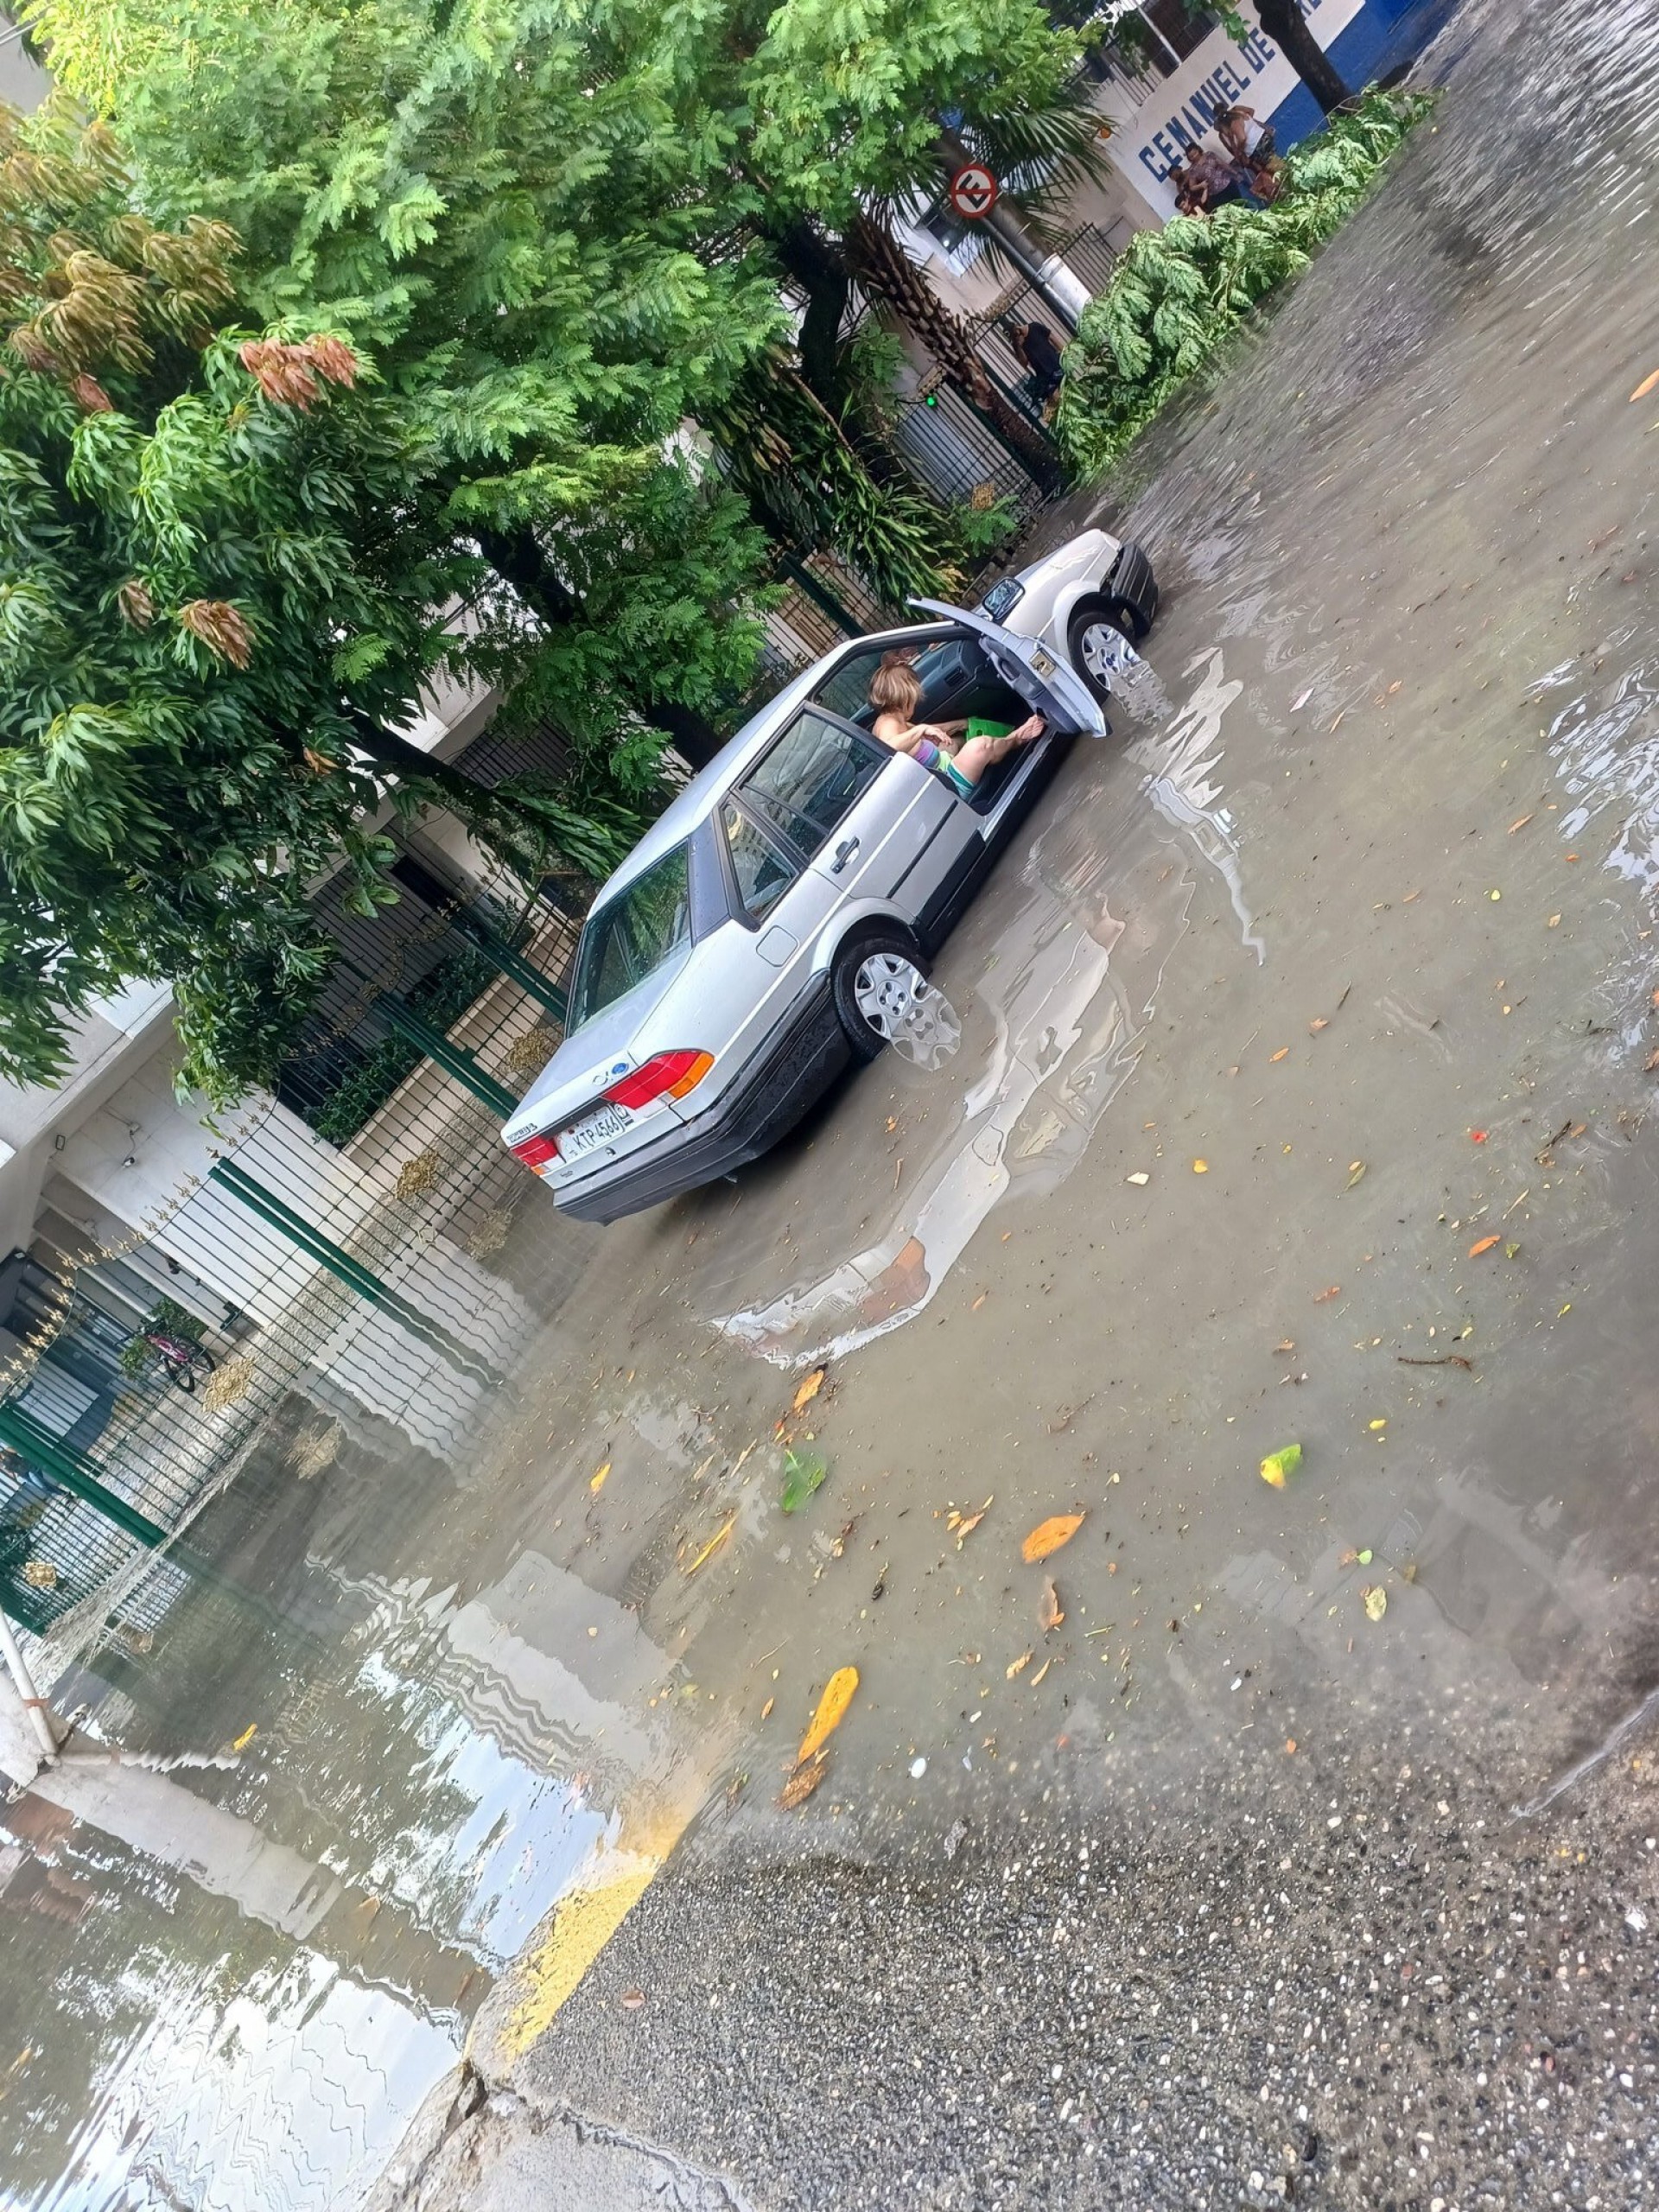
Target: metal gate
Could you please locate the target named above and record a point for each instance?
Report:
(343, 1251)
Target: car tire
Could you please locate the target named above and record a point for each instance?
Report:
(883, 997)
(1084, 638)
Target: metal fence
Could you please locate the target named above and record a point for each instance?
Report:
(344, 1252)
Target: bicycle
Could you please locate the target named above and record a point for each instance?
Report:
(182, 1359)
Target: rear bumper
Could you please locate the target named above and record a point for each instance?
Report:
(765, 1101)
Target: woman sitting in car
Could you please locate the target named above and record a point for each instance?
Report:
(896, 693)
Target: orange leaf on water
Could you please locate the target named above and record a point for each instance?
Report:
(1485, 1245)
(1049, 1615)
(1048, 1535)
(1335, 1290)
(1644, 387)
(1281, 1054)
(832, 1710)
(809, 1390)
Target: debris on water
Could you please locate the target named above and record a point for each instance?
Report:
(1200, 1167)
(1482, 1244)
(1376, 1601)
(963, 1525)
(917, 1768)
(1019, 1665)
(804, 1474)
(1356, 1172)
(832, 1711)
(1445, 1359)
(1283, 1350)
(1138, 1181)
(596, 1481)
(809, 1390)
(1048, 1535)
(1642, 390)
(955, 1835)
(1277, 1464)
(1049, 1613)
(1300, 700)
(802, 1783)
(714, 1542)
(1274, 1058)
(1320, 1296)
(631, 2000)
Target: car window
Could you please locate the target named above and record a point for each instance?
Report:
(846, 690)
(631, 935)
(811, 776)
(763, 874)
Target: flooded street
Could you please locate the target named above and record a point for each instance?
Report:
(1304, 1096)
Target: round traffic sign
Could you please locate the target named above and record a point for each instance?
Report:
(973, 192)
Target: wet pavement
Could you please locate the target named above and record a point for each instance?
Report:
(1302, 1096)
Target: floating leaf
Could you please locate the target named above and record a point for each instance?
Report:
(1300, 700)
(1283, 1053)
(1048, 1535)
(1320, 1296)
(1356, 1172)
(1279, 1464)
(1020, 1664)
(801, 1784)
(832, 1710)
(1348, 1559)
(1200, 1167)
(1520, 824)
(1376, 1602)
(1381, 1422)
(1644, 388)
(597, 1482)
(963, 1524)
(1287, 1346)
(1049, 1615)
(803, 1473)
(809, 1390)
(1040, 1672)
(1138, 1181)
(1318, 1023)
(1485, 1244)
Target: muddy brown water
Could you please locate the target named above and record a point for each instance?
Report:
(1344, 945)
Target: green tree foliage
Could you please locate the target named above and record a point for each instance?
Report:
(1177, 293)
(216, 597)
(173, 568)
(523, 210)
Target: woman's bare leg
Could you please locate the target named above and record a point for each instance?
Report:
(972, 760)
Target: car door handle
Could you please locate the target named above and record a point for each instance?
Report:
(845, 852)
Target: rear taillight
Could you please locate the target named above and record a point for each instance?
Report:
(670, 1075)
(536, 1151)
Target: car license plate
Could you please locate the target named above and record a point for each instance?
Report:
(593, 1131)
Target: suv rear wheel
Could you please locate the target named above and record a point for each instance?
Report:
(883, 997)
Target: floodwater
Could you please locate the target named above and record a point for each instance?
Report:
(1302, 1096)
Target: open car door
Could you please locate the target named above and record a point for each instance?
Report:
(1027, 666)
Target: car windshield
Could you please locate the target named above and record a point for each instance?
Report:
(631, 935)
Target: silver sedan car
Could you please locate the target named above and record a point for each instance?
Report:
(775, 923)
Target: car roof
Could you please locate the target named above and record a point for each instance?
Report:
(697, 801)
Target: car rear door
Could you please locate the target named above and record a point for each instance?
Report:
(1028, 667)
